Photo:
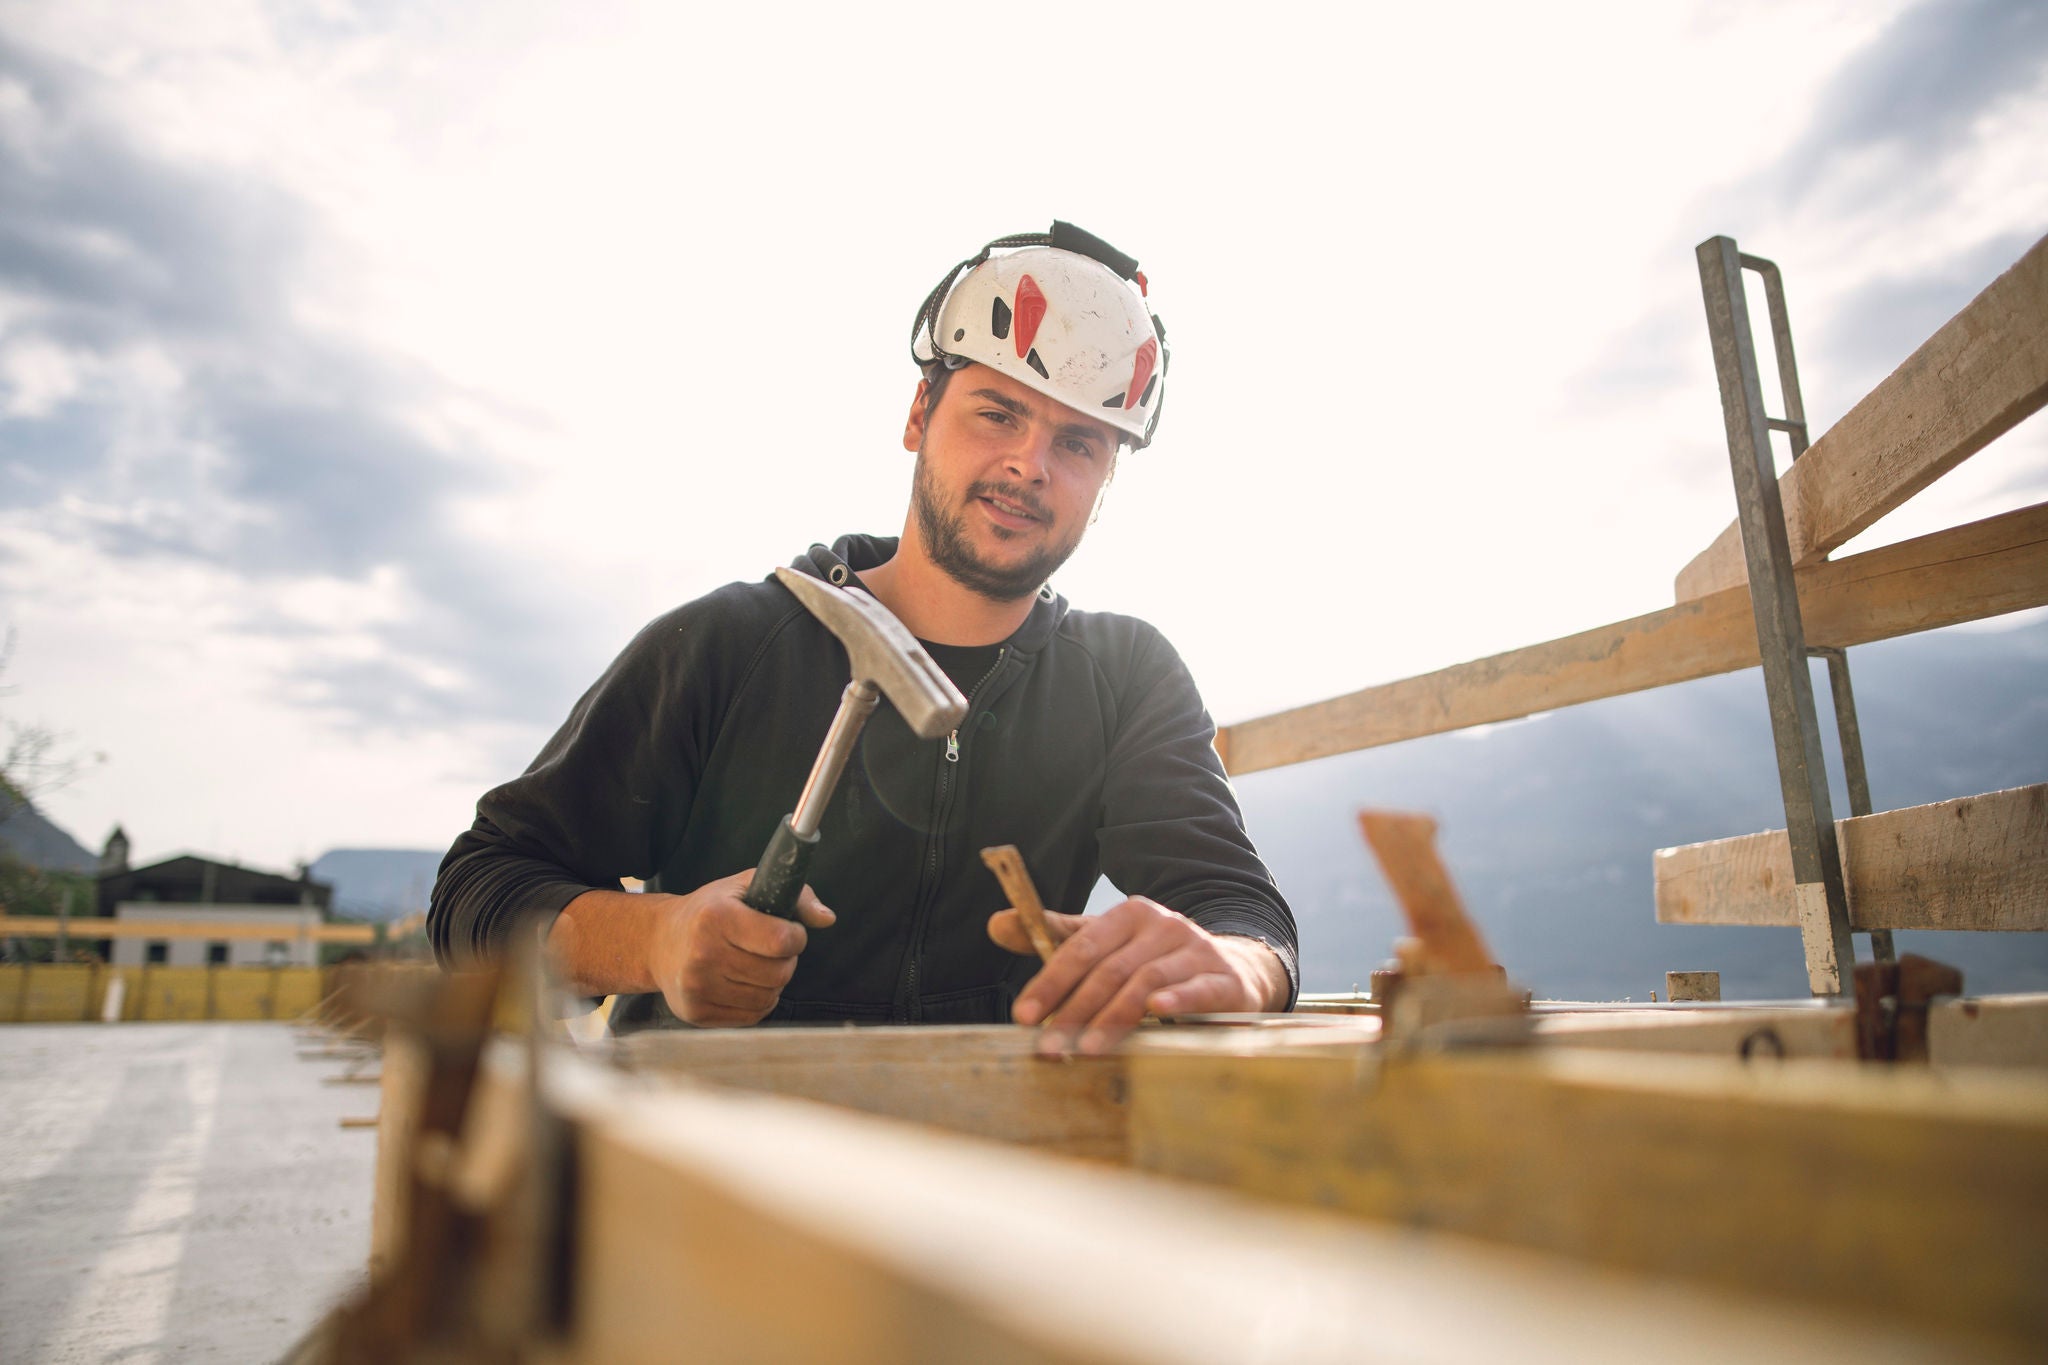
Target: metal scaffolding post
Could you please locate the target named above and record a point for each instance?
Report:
(1819, 891)
(1847, 729)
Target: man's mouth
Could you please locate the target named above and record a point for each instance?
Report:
(1008, 511)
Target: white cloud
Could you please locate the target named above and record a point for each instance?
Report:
(616, 296)
(35, 377)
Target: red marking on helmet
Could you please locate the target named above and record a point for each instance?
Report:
(1144, 290)
(1030, 310)
(1141, 370)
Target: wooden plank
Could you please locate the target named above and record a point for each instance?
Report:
(1692, 986)
(1405, 845)
(239, 993)
(753, 1228)
(1975, 379)
(91, 927)
(1978, 862)
(1881, 1191)
(1967, 573)
(404, 1079)
(294, 990)
(1999, 1030)
(49, 992)
(1761, 1034)
(983, 1081)
(172, 994)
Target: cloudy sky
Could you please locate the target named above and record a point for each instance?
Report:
(369, 372)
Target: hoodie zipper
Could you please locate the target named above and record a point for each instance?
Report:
(941, 809)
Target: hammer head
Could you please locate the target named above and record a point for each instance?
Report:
(883, 653)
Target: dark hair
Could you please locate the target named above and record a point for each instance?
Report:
(937, 374)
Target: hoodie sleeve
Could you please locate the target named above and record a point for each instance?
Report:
(1170, 827)
(607, 797)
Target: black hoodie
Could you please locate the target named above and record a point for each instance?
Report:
(1086, 745)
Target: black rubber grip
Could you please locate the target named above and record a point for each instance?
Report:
(781, 873)
(1067, 237)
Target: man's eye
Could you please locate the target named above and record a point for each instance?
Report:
(997, 415)
(1082, 448)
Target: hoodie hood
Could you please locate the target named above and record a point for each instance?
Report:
(851, 555)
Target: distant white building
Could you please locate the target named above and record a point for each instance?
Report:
(294, 945)
(192, 888)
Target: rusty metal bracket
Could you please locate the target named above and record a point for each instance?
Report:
(1891, 1006)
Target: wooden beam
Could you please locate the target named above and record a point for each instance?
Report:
(1986, 568)
(982, 1081)
(1979, 862)
(1999, 1030)
(2007, 1031)
(95, 927)
(403, 1085)
(1692, 986)
(1405, 844)
(1763, 1034)
(753, 1228)
(1976, 378)
(1881, 1192)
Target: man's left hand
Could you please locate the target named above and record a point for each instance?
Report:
(1111, 970)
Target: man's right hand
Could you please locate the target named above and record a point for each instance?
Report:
(715, 959)
(719, 961)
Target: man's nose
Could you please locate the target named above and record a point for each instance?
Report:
(1029, 456)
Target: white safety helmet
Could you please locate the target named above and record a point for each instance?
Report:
(1062, 312)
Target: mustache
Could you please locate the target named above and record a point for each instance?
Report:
(1011, 493)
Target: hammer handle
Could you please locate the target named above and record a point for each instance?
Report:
(781, 873)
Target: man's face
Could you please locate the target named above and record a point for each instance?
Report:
(1007, 480)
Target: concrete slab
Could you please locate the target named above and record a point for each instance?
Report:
(174, 1191)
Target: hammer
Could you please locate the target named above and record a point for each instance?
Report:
(887, 661)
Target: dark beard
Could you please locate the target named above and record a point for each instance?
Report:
(945, 540)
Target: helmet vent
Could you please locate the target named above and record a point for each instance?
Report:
(1030, 312)
(998, 321)
(1035, 363)
(1142, 371)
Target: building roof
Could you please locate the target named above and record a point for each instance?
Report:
(189, 878)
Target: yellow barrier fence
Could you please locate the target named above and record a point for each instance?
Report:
(47, 993)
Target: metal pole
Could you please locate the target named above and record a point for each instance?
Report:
(1794, 423)
(1851, 731)
(1822, 905)
(1794, 427)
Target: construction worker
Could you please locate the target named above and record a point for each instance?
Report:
(1085, 743)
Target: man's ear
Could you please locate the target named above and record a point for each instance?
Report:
(1102, 493)
(913, 429)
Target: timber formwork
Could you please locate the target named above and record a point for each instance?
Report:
(1560, 1183)
(1302, 1190)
